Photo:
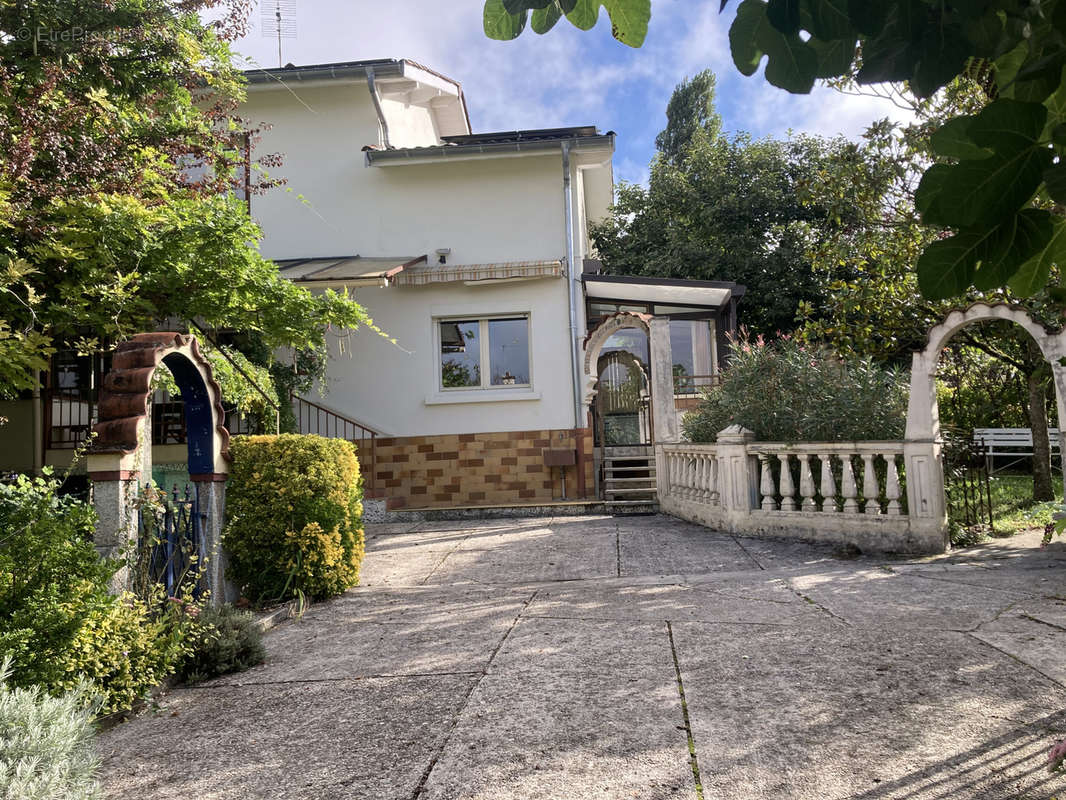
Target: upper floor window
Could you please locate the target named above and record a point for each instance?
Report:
(485, 353)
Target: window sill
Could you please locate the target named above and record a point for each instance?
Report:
(481, 396)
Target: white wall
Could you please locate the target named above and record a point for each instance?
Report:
(409, 125)
(387, 386)
(485, 211)
(490, 210)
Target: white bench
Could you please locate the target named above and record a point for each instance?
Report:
(1013, 443)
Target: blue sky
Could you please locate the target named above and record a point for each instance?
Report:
(566, 77)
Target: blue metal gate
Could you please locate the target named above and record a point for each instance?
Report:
(171, 540)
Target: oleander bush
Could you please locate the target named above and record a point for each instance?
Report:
(294, 517)
(788, 391)
(59, 624)
(46, 748)
(229, 640)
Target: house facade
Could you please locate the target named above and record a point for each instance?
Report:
(470, 252)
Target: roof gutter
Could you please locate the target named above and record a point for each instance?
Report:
(418, 155)
(376, 99)
(324, 72)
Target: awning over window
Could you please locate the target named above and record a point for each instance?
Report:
(347, 270)
(422, 274)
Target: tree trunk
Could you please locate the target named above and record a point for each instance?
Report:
(1036, 379)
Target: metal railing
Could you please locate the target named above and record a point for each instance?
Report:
(695, 384)
(321, 421)
(71, 414)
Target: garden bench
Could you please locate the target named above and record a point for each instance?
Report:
(1011, 443)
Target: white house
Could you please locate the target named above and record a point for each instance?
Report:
(509, 368)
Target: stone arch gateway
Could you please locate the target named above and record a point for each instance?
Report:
(661, 377)
(925, 484)
(121, 454)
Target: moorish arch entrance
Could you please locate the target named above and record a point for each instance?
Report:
(925, 473)
(120, 458)
(617, 379)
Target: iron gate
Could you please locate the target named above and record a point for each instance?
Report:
(171, 541)
(967, 486)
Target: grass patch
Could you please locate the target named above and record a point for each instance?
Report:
(1013, 509)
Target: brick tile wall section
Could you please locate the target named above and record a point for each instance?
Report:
(478, 469)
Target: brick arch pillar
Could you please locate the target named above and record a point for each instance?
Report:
(120, 459)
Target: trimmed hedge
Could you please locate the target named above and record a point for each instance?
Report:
(294, 509)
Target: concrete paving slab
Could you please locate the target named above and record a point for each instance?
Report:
(343, 740)
(758, 598)
(879, 598)
(342, 647)
(663, 550)
(533, 554)
(865, 713)
(571, 710)
(410, 567)
(1032, 577)
(425, 604)
(1031, 642)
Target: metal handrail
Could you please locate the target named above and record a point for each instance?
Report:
(694, 384)
(316, 419)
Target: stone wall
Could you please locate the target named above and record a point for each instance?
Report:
(477, 469)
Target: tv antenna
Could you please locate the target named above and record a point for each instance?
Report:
(278, 19)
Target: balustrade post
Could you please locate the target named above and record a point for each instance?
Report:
(766, 483)
(828, 486)
(806, 484)
(871, 492)
(737, 477)
(716, 494)
(702, 477)
(788, 489)
(892, 492)
(848, 489)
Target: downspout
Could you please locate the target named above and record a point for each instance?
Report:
(376, 99)
(38, 425)
(571, 267)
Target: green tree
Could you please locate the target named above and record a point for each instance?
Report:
(873, 306)
(691, 109)
(724, 208)
(998, 184)
(121, 157)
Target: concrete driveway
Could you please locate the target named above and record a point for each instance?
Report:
(638, 657)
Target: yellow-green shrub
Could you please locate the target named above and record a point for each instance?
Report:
(294, 516)
(123, 651)
(59, 625)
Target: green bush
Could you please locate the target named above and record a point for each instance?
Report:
(294, 516)
(230, 640)
(59, 625)
(50, 576)
(124, 650)
(786, 391)
(46, 748)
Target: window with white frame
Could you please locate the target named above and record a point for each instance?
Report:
(484, 353)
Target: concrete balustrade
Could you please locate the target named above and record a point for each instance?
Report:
(769, 489)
